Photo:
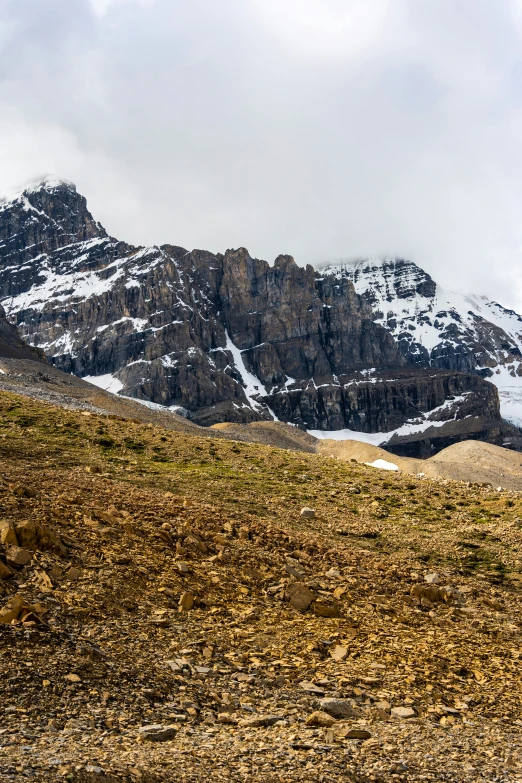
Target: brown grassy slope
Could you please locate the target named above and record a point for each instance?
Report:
(42, 381)
(269, 433)
(230, 512)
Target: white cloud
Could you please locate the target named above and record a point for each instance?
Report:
(102, 7)
(321, 128)
(325, 28)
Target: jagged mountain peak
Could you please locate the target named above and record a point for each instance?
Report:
(51, 198)
(51, 184)
(47, 184)
(45, 217)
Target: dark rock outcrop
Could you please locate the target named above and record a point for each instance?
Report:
(225, 336)
(12, 346)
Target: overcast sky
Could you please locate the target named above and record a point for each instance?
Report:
(320, 128)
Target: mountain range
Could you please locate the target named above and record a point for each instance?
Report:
(371, 349)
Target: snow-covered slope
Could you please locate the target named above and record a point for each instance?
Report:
(440, 328)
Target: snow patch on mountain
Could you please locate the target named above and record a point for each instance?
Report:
(413, 427)
(252, 385)
(107, 382)
(382, 464)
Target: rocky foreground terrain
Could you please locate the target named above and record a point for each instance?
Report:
(180, 608)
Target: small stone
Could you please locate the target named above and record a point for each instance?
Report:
(324, 609)
(360, 734)
(300, 596)
(339, 653)
(398, 768)
(93, 469)
(227, 719)
(157, 733)
(293, 568)
(186, 602)
(403, 712)
(182, 567)
(428, 595)
(44, 581)
(492, 603)
(73, 574)
(16, 556)
(261, 721)
(320, 718)
(333, 573)
(432, 579)
(338, 708)
(72, 677)
(310, 687)
(307, 513)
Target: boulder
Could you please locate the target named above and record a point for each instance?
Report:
(12, 609)
(299, 596)
(321, 719)
(5, 571)
(157, 733)
(36, 536)
(7, 533)
(18, 557)
(186, 602)
(338, 708)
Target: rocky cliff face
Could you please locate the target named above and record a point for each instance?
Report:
(449, 330)
(222, 336)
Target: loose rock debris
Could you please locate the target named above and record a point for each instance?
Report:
(132, 655)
